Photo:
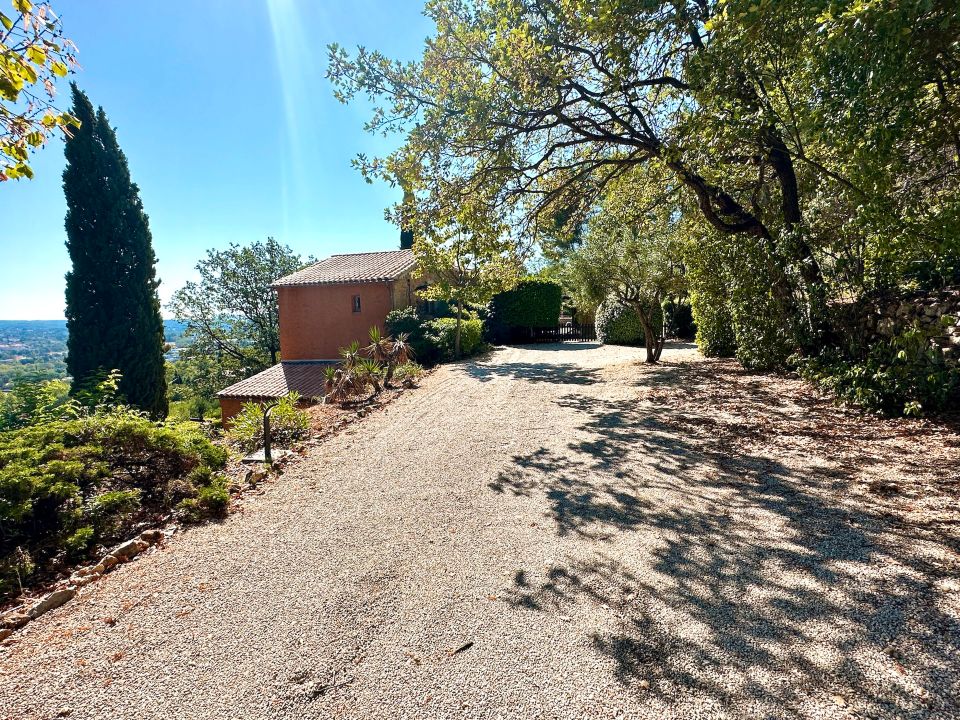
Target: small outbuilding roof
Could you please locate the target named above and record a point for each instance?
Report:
(353, 268)
(303, 376)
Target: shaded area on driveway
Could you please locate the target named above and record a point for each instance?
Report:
(780, 570)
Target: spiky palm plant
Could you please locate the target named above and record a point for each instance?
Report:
(380, 346)
(351, 354)
(371, 373)
(399, 353)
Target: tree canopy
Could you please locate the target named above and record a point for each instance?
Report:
(232, 313)
(818, 137)
(33, 53)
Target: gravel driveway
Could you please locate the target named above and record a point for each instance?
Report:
(548, 532)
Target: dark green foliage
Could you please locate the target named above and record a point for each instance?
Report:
(709, 298)
(432, 340)
(406, 320)
(113, 312)
(66, 485)
(532, 303)
(904, 375)
(618, 324)
(678, 319)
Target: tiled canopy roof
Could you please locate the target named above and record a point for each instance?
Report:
(305, 377)
(353, 268)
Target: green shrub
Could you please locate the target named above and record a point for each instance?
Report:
(618, 324)
(442, 333)
(433, 340)
(211, 501)
(406, 320)
(30, 403)
(906, 375)
(714, 336)
(67, 485)
(532, 303)
(408, 371)
(194, 408)
(287, 425)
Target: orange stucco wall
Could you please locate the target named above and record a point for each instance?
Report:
(317, 320)
(229, 407)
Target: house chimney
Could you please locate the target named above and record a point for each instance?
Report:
(406, 234)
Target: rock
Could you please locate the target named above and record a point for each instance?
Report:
(51, 601)
(839, 701)
(14, 620)
(644, 684)
(129, 549)
(5, 633)
(86, 579)
(152, 536)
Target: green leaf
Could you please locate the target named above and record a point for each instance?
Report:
(22, 6)
(5, 21)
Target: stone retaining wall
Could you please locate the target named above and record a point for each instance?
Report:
(936, 312)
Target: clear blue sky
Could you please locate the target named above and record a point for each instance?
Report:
(230, 130)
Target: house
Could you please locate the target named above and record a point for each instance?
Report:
(323, 308)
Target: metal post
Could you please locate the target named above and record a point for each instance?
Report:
(267, 454)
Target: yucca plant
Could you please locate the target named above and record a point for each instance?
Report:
(370, 372)
(351, 354)
(388, 352)
(380, 346)
(400, 353)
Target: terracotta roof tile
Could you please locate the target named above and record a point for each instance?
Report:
(353, 268)
(305, 377)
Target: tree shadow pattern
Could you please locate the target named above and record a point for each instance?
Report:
(731, 523)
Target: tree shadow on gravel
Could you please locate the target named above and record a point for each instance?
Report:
(559, 373)
(727, 574)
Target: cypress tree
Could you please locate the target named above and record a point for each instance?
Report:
(113, 311)
(406, 234)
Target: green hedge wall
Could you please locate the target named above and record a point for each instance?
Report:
(532, 303)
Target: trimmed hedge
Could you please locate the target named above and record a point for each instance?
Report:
(618, 324)
(715, 337)
(532, 303)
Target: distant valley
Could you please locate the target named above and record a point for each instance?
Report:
(36, 349)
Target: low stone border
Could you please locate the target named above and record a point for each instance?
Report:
(20, 616)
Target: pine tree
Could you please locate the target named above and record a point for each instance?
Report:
(113, 311)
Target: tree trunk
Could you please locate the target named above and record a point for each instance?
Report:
(652, 340)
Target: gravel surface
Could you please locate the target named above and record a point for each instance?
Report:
(548, 532)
